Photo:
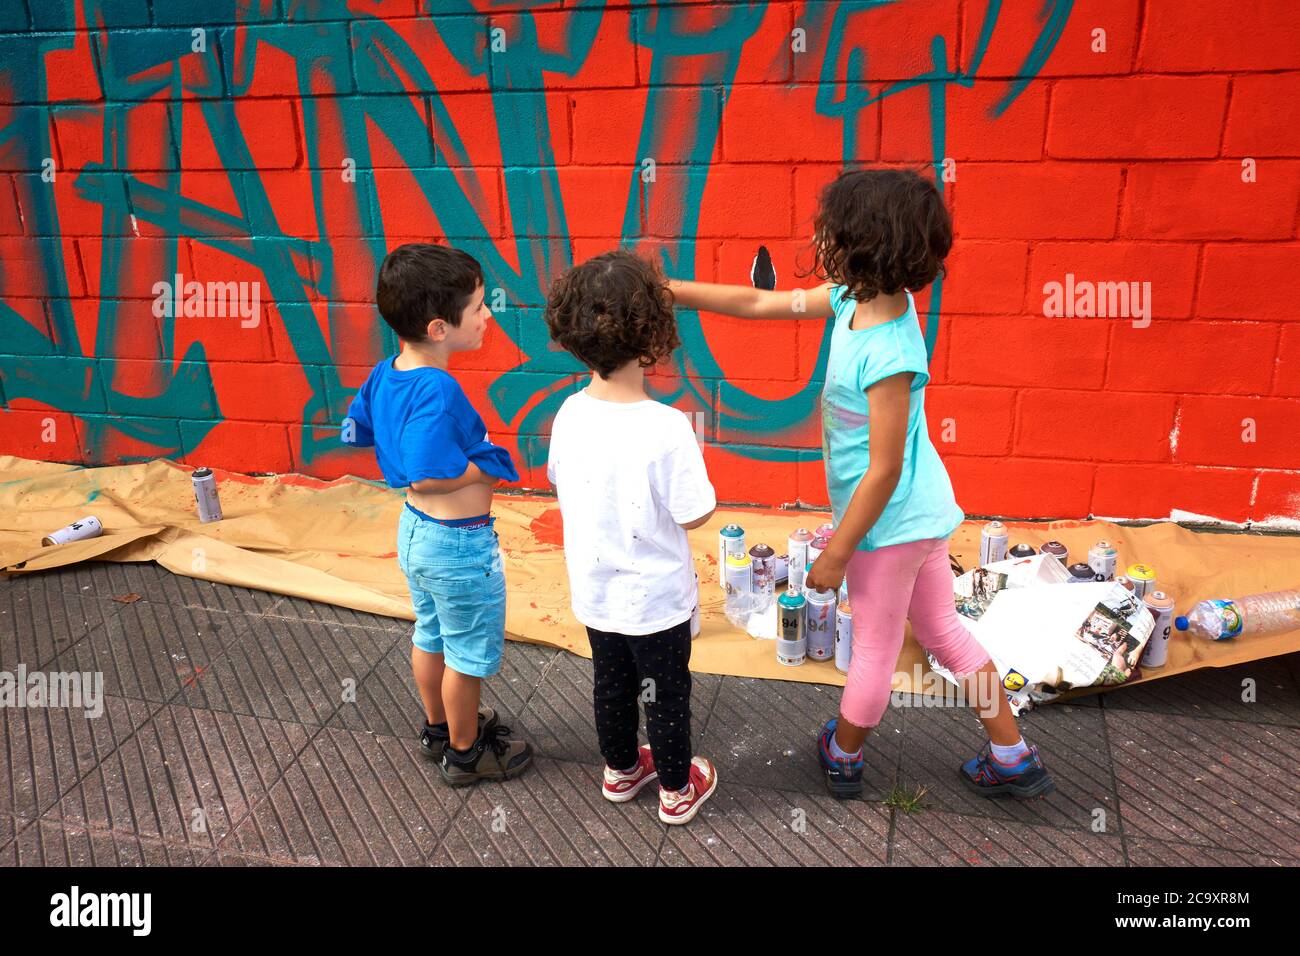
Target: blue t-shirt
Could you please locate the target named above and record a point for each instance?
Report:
(923, 505)
(422, 426)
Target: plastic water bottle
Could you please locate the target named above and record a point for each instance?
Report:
(1222, 619)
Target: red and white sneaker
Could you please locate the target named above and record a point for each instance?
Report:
(621, 787)
(674, 807)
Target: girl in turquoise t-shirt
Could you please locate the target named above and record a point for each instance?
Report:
(879, 235)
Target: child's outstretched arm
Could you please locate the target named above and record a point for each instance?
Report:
(888, 405)
(746, 302)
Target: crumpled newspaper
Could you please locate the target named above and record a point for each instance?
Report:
(1046, 636)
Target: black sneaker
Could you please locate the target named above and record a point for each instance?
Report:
(843, 776)
(494, 756)
(434, 739)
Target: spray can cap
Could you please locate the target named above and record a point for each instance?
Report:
(202, 472)
(1180, 622)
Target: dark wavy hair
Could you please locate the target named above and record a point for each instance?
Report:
(880, 231)
(613, 309)
(420, 282)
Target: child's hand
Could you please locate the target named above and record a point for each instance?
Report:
(827, 573)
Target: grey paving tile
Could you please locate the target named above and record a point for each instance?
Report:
(351, 798)
(1071, 741)
(936, 838)
(45, 752)
(289, 669)
(318, 613)
(1159, 853)
(152, 651)
(1217, 692)
(764, 733)
(8, 828)
(553, 814)
(185, 777)
(245, 859)
(387, 701)
(48, 843)
(158, 585)
(39, 619)
(1221, 783)
(560, 713)
(749, 826)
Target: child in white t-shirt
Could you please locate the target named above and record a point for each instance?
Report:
(631, 481)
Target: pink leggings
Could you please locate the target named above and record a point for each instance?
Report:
(911, 581)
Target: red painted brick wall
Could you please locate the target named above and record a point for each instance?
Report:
(1122, 164)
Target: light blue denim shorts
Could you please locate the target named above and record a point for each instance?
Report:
(458, 587)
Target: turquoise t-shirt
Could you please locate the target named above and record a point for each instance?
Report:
(922, 506)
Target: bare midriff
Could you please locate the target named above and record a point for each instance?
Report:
(468, 502)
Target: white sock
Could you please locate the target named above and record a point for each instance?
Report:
(838, 753)
(1010, 753)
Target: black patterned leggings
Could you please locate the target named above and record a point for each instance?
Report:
(651, 668)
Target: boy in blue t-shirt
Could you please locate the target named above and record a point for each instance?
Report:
(430, 440)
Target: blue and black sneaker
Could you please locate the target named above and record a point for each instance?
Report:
(1024, 779)
(843, 775)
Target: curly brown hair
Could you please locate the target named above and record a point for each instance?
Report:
(881, 231)
(613, 309)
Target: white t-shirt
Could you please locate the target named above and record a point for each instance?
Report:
(627, 476)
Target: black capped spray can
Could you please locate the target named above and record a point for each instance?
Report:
(1022, 550)
(1058, 551)
(205, 493)
(791, 644)
(1081, 573)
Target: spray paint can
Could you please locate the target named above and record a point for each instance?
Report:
(1102, 558)
(819, 626)
(781, 578)
(1058, 551)
(798, 557)
(843, 637)
(1081, 573)
(1022, 551)
(1161, 606)
(791, 644)
(763, 560)
(87, 527)
(731, 540)
(824, 531)
(1143, 577)
(816, 547)
(205, 493)
(1123, 579)
(740, 583)
(993, 542)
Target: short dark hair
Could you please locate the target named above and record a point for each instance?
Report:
(613, 309)
(881, 231)
(420, 282)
